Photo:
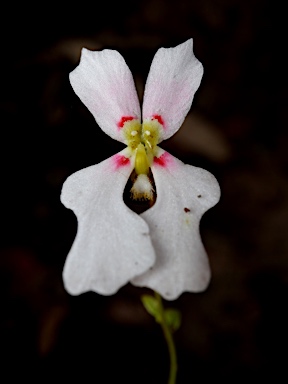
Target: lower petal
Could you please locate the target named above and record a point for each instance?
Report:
(184, 193)
(112, 244)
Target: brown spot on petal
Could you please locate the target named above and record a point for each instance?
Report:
(187, 210)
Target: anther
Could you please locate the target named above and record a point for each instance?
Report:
(134, 133)
(147, 133)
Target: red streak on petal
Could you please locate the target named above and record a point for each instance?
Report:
(123, 120)
(160, 161)
(121, 161)
(164, 160)
(159, 118)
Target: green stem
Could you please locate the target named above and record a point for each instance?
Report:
(169, 340)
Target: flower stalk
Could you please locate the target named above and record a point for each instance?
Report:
(170, 342)
(169, 320)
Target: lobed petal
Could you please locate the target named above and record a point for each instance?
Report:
(174, 77)
(104, 83)
(112, 244)
(184, 193)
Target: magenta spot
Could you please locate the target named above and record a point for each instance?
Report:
(120, 161)
(123, 120)
(160, 161)
(164, 160)
(159, 118)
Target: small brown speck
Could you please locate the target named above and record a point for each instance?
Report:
(199, 196)
(186, 210)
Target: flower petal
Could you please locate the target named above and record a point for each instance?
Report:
(184, 193)
(174, 77)
(112, 244)
(104, 83)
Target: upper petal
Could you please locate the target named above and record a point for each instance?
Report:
(174, 77)
(112, 244)
(184, 193)
(104, 83)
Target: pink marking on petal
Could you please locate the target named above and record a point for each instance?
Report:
(165, 160)
(120, 161)
(160, 161)
(123, 120)
(159, 118)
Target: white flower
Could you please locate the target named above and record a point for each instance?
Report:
(160, 248)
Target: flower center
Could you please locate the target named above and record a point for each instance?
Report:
(142, 142)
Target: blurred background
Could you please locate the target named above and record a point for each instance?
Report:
(237, 130)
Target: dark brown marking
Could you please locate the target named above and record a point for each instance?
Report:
(187, 210)
(139, 206)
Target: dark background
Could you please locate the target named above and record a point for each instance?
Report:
(237, 129)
